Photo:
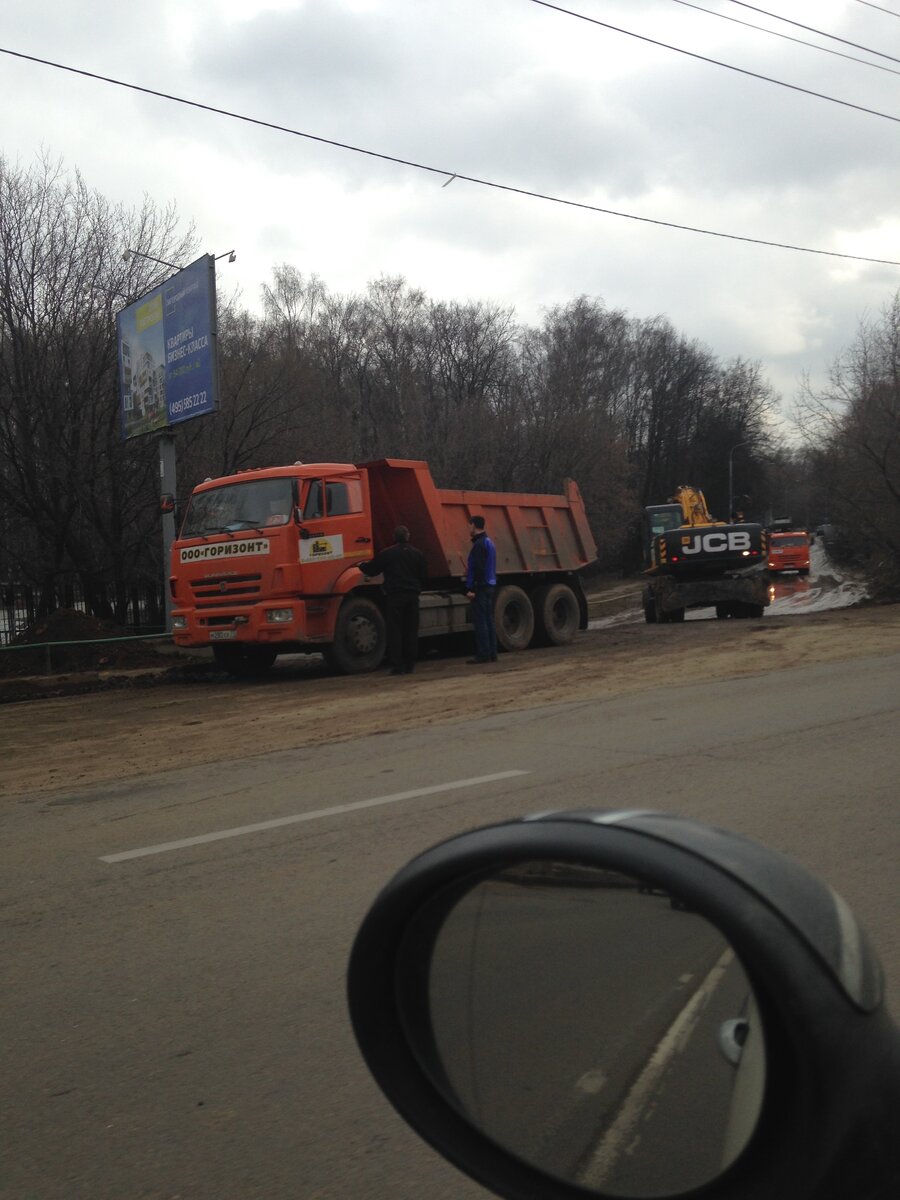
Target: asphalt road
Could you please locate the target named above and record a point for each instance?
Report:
(175, 1020)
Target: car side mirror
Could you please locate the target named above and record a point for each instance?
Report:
(630, 1005)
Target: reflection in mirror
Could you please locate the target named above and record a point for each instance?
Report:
(594, 1027)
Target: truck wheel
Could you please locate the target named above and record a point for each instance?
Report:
(244, 662)
(755, 610)
(514, 618)
(723, 612)
(359, 638)
(556, 614)
(649, 606)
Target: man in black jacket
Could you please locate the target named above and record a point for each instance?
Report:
(405, 572)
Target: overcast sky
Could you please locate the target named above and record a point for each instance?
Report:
(514, 93)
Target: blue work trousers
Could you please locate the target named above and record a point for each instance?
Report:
(483, 620)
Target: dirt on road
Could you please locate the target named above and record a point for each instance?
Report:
(140, 723)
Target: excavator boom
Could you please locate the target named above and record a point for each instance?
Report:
(693, 506)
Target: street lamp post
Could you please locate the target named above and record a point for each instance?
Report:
(731, 476)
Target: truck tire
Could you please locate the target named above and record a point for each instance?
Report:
(359, 638)
(649, 605)
(674, 615)
(513, 618)
(723, 612)
(244, 662)
(556, 614)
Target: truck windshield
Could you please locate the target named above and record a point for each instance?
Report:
(789, 539)
(255, 504)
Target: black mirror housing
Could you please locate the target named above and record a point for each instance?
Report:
(826, 1125)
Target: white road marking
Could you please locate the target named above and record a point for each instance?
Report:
(622, 1133)
(591, 1082)
(336, 810)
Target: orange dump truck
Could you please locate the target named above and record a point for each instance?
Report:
(265, 562)
(788, 551)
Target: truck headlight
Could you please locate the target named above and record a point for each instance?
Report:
(179, 622)
(279, 616)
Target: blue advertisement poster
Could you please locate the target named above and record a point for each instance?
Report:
(168, 370)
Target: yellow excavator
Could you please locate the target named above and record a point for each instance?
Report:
(694, 561)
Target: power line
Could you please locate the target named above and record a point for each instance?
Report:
(717, 62)
(878, 8)
(786, 37)
(810, 29)
(450, 176)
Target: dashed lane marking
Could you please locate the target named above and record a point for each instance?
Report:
(335, 811)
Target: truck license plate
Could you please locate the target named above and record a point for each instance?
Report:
(222, 635)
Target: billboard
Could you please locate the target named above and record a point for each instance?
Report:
(168, 370)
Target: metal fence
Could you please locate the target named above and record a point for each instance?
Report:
(138, 607)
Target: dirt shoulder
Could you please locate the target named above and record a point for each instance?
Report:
(177, 716)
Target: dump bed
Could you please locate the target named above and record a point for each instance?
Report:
(533, 534)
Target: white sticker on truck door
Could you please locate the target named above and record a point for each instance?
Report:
(236, 549)
(321, 548)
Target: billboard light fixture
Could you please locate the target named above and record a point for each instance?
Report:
(129, 254)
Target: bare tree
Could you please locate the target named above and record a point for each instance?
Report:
(852, 428)
(74, 497)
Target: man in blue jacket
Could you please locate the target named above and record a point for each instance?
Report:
(481, 583)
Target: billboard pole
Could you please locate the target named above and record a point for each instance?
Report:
(167, 487)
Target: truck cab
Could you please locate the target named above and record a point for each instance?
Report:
(261, 556)
(788, 551)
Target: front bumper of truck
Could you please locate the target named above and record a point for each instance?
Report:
(276, 622)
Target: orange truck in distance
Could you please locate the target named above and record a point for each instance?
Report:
(265, 562)
(789, 551)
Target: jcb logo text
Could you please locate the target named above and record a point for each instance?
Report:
(713, 543)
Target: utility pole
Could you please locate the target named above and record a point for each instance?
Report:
(167, 486)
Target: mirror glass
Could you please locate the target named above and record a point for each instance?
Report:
(593, 1026)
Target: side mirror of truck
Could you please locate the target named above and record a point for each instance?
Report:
(171, 504)
(630, 1005)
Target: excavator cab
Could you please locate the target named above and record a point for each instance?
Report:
(658, 519)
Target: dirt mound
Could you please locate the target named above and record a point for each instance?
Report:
(99, 646)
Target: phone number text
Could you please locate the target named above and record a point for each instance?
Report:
(187, 403)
